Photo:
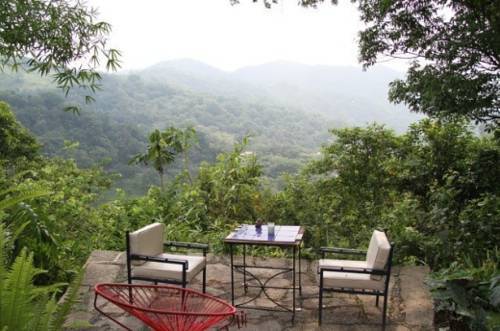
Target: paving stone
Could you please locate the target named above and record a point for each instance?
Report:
(109, 308)
(79, 320)
(408, 297)
(416, 298)
(218, 292)
(120, 258)
(268, 325)
(100, 273)
(218, 273)
(310, 291)
(371, 313)
(311, 303)
(343, 315)
(103, 256)
(132, 323)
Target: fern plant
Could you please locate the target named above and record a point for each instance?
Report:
(24, 306)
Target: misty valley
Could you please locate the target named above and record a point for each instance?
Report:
(286, 109)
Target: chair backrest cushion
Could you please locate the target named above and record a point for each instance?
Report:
(147, 241)
(378, 252)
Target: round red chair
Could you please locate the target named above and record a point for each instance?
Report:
(168, 308)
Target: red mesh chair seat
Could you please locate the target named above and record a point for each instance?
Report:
(166, 308)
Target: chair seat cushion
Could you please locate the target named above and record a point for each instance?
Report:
(170, 271)
(346, 279)
(342, 263)
(351, 280)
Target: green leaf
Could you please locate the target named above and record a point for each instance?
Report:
(72, 109)
(13, 201)
(493, 320)
(495, 292)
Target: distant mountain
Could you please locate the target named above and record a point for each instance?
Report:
(347, 94)
(199, 77)
(115, 127)
(344, 94)
(287, 108)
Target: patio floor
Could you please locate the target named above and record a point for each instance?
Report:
(410, 305)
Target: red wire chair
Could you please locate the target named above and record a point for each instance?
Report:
(167, 308)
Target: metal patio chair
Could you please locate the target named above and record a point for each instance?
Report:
(147, 261)
(370, 276)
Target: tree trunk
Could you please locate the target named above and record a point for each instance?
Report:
(186, 167)
(161, 182)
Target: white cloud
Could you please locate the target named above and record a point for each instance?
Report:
(228, 36)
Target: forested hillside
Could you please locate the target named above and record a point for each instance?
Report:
(346, 94)
(287, 122)
(112, 130)
(434, 187)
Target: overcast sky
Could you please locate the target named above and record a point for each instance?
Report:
(229, 37)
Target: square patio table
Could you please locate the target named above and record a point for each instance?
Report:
(286, 237)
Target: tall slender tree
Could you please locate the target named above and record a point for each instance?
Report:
(159, 153)
(189, 139)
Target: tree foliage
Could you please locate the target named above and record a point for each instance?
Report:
(468, 295)
(456, 47)
(58, 37)
(15, 140)
(434, 189)
(116, 127)
(163, 147)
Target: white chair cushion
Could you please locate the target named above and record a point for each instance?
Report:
(348, 280)
(378, 252)
(342, 263)
(165, 271)
(351, 280)
(147, 241)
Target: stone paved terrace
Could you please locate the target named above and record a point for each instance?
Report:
(410, 305)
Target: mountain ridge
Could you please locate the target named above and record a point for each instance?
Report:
(342, 93)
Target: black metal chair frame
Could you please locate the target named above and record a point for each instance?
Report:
(385, 272)
(184, 263)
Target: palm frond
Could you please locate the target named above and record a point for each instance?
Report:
(3, 250)
(13, 201)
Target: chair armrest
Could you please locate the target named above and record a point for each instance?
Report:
(353, 270)
(337, 250)
(203, 247)
(185, 263)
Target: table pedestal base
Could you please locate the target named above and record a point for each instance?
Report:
(262, 283)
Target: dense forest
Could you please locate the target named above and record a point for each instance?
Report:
(182, 93)
(203, 153)
(434, 188)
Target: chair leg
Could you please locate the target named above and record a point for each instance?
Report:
(204, 279)
(384, 312)
(376, 302)
(320, 308)
(184, 279)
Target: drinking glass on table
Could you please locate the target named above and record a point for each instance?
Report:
(270, 229)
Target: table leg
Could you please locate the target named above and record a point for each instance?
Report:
(232, 274)
(294, 285)
(245, 288)
(300, 274)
